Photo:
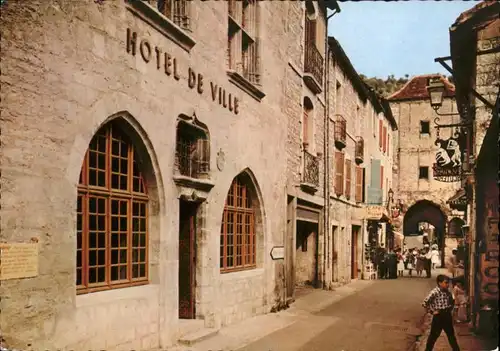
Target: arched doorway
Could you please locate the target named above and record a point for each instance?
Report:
(425, 215)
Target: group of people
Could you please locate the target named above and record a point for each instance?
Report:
(391, 264)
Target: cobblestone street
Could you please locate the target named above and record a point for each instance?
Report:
(385, 316)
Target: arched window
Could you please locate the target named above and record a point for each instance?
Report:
(112, 215)
(237, 238)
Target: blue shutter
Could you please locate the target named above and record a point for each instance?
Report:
(374, 191)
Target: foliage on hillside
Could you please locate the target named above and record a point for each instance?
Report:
(385, 87)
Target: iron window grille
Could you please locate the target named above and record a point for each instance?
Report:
(192, 157)
(340, 131)
(311, 169)
(237, 238)
(112, 215)
(243, 44)
(359, 151)
(178, 11)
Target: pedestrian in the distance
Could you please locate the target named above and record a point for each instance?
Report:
(435, 259)
(440, 303)
(401, 263)
(460, 311)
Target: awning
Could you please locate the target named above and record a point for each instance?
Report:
(458, 200)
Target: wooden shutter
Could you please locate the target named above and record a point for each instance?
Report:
(305, 121)
(388, 143)
(310, 31)
(359, 184)
(380, 133)
(339, 173)
(363, 185)
(382, 177)
(348, 179)
(384, 141)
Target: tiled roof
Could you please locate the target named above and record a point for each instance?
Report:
(416, 88)
(465, 16)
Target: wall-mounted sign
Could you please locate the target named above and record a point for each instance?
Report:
(489, 262)
(278, 252)
(18, 260)
(170, 66)
(449, 158)
(374, 212)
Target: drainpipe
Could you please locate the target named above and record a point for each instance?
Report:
(326, 151)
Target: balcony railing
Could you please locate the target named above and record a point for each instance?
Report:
(359, 152)
(340, 132)
(313, 66)
(311, 170)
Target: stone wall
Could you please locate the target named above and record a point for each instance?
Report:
(66, 72)
(415, 149)
(361, 120)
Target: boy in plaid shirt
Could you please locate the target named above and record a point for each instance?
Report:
(440, 303)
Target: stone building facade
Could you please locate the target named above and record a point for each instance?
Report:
(361, 127)
(147, 157)
(420, 196)
(475, 52)
(304, 103)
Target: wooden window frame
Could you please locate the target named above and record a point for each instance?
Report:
(382, 177)
(426, 129)
(178, 11)
(359, 185)
(380, 130)
(339, 173)
(236, 205)
(348, 180)
(384, 141)
(420, 174)
(110, 195)
(305, 127)
(243, 55)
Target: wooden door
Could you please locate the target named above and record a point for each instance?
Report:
(354, 253)
(187, 259)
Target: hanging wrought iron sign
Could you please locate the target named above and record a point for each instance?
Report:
(449, 157)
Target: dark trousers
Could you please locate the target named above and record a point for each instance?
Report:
(440, 322)
(427, 265)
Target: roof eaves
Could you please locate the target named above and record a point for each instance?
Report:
(346, 64)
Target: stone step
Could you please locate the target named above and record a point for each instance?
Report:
(197, 336)
(189, 326)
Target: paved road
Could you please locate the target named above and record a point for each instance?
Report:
(382, 317)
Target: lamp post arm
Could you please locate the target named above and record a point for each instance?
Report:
(441, 60)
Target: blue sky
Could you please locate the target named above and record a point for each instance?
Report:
(383, 38)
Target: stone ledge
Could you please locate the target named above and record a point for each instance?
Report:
(242, 83)
(161, 23)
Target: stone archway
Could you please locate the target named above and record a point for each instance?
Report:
(426, 211)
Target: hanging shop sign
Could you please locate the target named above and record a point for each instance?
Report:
(374, 212)
(170, 66)
(449, 157)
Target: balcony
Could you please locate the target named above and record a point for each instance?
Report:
(359, 152)
(340, 132)
(310, 174)
(313, 68)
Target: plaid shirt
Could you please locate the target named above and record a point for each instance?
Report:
(438, 300)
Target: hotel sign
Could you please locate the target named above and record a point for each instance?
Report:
(169, 65)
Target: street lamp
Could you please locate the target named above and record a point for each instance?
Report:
(436, 91)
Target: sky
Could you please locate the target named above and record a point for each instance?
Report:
(382, 38)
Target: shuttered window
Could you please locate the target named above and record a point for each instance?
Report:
(359, 185)
(380, 133)
(382, 177)
(384, 141)
(347, 192)
(339, 173)
(388, 143)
